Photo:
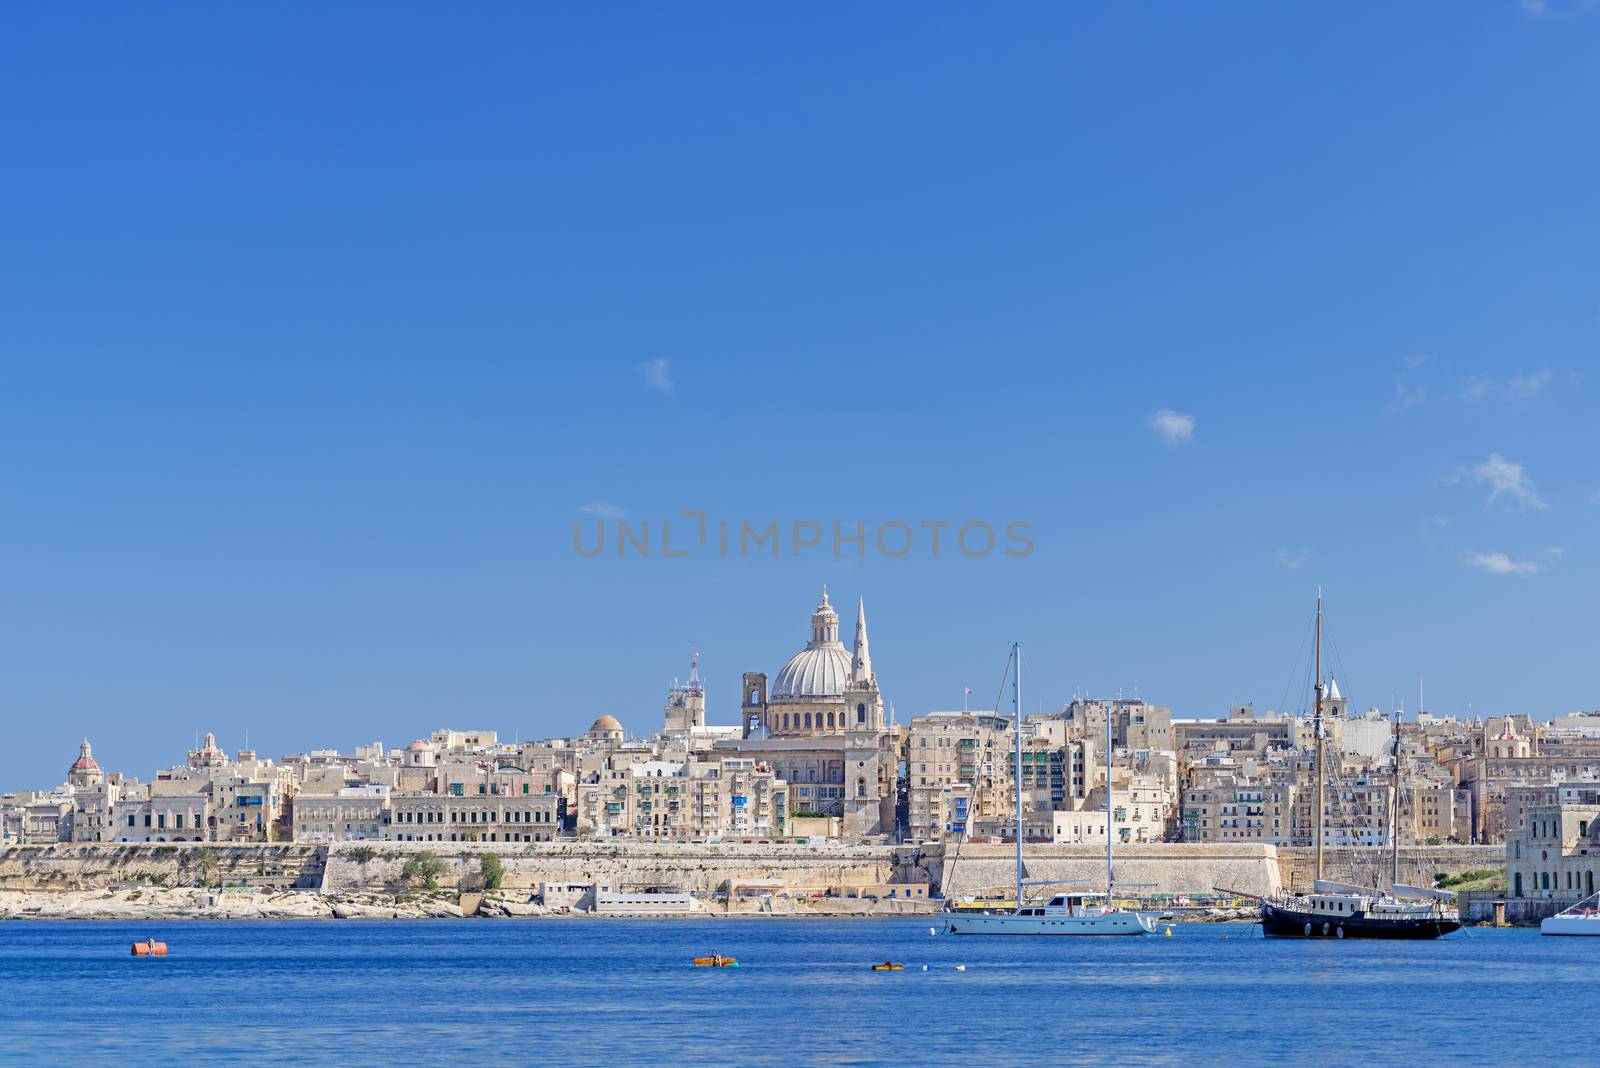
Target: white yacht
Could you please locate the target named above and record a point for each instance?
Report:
(1579, 919)
(1076, 912)
(1081, 913)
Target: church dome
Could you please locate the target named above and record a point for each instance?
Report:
(822, 668)
(86, 760)
(819, 672)
(605, 724)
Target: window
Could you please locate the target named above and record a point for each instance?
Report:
(861, 713)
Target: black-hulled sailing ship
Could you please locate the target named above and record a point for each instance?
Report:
(1337, 910)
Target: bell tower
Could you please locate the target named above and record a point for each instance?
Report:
(753, 704)
(686, 704)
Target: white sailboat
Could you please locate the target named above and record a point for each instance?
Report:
(1582, 918)
(1065, 913)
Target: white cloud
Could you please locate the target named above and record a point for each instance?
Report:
(1519, 387)
(603, 509)
(657, 374)
(1535, 7)
(1293, 560)
(1501, 564)
(1172, 427)
(1507, 477)
(1516, 388)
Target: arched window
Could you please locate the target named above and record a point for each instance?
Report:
(861, 787)
(830, 719)
(1544, 880)
(861, 713)
(808, 720)
(755, 697)
(1519, 884)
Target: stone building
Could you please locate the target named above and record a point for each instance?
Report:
(352, 814)
(957, 773)
(432, 817)
(1555, 852)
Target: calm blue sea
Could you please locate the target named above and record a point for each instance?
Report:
(623, 993)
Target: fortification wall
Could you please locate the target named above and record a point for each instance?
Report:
(694, 868)
(75, 866)
(1370, 867)
(981, 869)
(1164, 868)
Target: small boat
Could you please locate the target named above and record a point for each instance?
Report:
(149, 948)
(1579, 919)
(716, 960)
(888, 966)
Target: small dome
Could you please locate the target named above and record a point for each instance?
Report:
(817, 671)
(421, 745)
(86, 760)
(605, 725)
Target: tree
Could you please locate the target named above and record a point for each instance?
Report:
(206, 860)
(494, 873)
(424, 867)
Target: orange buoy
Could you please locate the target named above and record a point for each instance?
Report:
(150, 948)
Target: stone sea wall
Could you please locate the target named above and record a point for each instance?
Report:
(700, 869)
(1165, 868)
(978, 869)
(70, 866)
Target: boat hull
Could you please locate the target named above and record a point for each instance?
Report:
(1005, 923)
(1279, 921)
(1571, 925)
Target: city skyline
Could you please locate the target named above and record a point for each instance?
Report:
(307, 380)
(642, 720)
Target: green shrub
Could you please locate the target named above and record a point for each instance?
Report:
(425, 868)
(494, 873)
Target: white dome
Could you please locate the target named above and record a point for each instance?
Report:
(820, 670)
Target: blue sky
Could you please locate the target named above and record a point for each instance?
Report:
(319, 331)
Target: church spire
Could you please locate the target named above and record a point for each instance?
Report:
(861, 665)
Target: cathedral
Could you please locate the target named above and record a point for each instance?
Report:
(820, 725)
(823, 689)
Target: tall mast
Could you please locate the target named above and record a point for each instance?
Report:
(1394, 823)
(1108, 808)
(1016, 726)
(1316, 729)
